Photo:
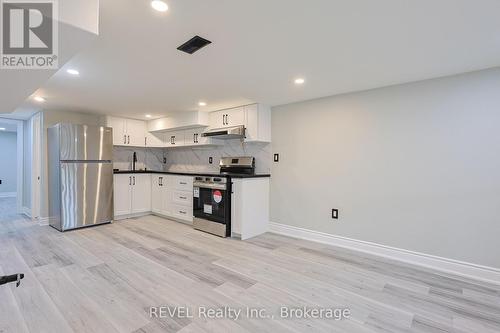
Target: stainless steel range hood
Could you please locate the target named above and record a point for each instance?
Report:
(237, 132)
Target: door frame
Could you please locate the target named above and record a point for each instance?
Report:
(36, 127)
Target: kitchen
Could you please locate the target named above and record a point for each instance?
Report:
(250, 166)
(230, 202)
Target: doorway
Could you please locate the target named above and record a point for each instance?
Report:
(11, 167)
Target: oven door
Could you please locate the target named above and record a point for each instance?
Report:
(212, 211)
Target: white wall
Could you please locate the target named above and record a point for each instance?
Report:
(51, 118)
(8, 162)
(28, 142)
(413, 166)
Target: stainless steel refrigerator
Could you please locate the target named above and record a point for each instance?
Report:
(80, 176)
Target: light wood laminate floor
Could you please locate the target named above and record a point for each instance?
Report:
(105, 279)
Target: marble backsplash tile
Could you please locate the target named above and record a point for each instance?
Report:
(196, 159)
(147, 158)
(188, 159)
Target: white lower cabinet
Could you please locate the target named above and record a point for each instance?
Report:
(141, 193)
(250, 207)
(160, 195)
(123, 194)
(172, 196)
(132, 194)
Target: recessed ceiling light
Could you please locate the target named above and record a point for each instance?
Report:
(73, 72)
(2, 128)
(148, 116)
(159, 5)
(39, 99)
(299, 81)
(202, 104)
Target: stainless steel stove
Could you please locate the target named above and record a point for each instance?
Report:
(212, 196)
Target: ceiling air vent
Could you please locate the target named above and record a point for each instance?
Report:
(194, 44)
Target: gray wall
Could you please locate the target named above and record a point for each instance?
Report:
(50, 118)
(8, 162)
(413, 166)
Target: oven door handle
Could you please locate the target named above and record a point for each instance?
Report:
(211, 186)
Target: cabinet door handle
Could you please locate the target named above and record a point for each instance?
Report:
(128, 139)
(227, 119)
(124, 139)
(223, 119)
(130, 180)
(145, 141)
(183, 198)
(182, 212)
(134, 180)
(182, 183)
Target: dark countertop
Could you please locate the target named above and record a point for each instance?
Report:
(229, 175)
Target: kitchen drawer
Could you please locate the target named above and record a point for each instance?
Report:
(182, 212)
(183, 183)
(183, 198)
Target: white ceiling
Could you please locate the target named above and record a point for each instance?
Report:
(260, 46)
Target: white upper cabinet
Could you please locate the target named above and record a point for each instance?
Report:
(174, 139)
(186, 128)
(179, 121)
(258, 123)
(256, 118)
(227, 118)
(155, 140)
(127, 132)
(119, 130)
(136, 133)
(195, 137)
(235, 117)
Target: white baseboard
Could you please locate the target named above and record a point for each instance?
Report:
(130, 216)
(465, 269)
(8, 194)
(26, 211)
